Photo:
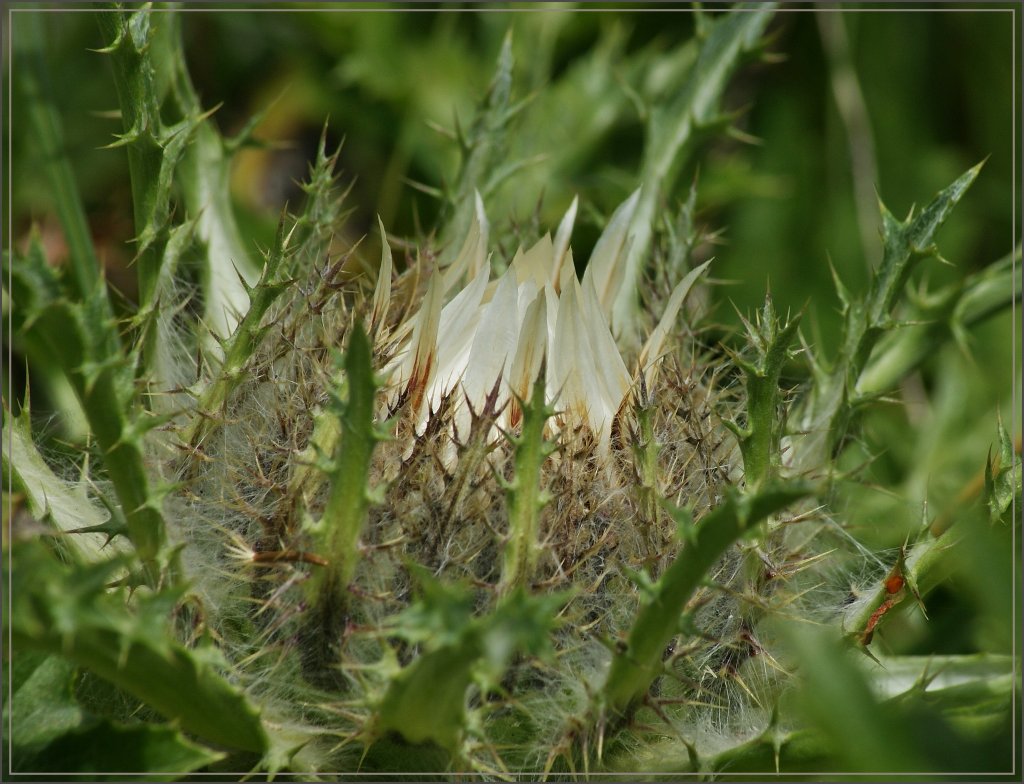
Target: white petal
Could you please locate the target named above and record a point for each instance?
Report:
(575, 375)
(567, 274)
(551, 307)
(382, 291)
(613, 376)
(459, 318)
(651, 351)
(532, 347)
(494, 342)
(420, 364)
(473, 255)
(477, 262)
(561, 244)
(536, 263)
(607, 262)
(456, 328)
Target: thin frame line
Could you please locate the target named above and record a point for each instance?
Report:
(336, 9)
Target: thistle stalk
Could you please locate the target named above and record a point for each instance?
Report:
(336, 533)
(524, 496)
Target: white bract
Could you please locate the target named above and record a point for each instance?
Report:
(495, 335)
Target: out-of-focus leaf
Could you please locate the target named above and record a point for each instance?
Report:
(427, 700)
(41, 707)
(107, 747)
(49, 498)
(50, 733)
(837, 699)
(69, 611)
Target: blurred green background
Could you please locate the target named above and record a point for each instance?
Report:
(935, 93)
(849, 103)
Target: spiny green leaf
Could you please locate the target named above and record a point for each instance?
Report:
(129, 34)
(439, 616)
(68, 611)
(485, 145)
(760, 439)
(50, 499)
(634, 668)
(105, 747)
(426, 702)
(906, 243)
(41, 707)
(831, 403)
(51, 733)
(335, 535)
(240, 346)
(103, 384)
(646, 449)
(345, 512)
(910, 732)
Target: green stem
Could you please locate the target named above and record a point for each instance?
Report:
(645, 451)
(134, 78)
(523, 495)
(34, 76)
(336, 534)
(639, 663)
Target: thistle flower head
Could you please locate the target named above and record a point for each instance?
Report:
(484, 342)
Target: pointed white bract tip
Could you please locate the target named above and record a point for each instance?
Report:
(531, 348)
(651, 352)
(535, 265)
(472, 255)
(421, 366)
(494, 344)
(481, 215)
(587, 369)
(562, 236)
(382, 291)
(480, 258)
(607, 262)
(567, 275)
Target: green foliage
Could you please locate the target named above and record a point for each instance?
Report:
(68, 611)
(51, 733)
(337, 531)
(335, 535)
(185, 151)
(483, 148)
(105, 748)
(50, 499)
(77, 338)
(639, 662)
(240, 346)
(646, 449)
(881, 736)
(921, 728)
(426, 701)
(674, 128)
(36, 82)
(933, 317)
(1002, 477)
(833, 402)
